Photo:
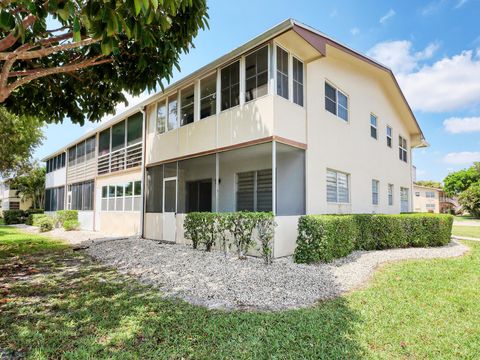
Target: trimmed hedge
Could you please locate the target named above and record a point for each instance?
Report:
(32, 213)
(66, 215)
(34, 219)
(19, 216)
(70, 225)
(327, 237)
(45, 224)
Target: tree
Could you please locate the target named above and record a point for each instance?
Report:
(100, 49)
(429, 183)
(19, 137)
(459, 181)
(31, 185)
(470, 200)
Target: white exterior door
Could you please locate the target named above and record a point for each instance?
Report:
(169, 208)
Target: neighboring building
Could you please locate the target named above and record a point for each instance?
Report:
(426, 199)
(291, 122)
(449, 205)
(10, 199)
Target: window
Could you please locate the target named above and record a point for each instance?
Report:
(55, 163)
(122, 197)
(390, 194)
(154, 189)
(187, 98)
(389, 136)
(373, 126)
(72, 155)
(208, 96)
(336, 102)
(256, 74)
(282, 72)
(297, 81)
(417, 193)
(430, 194)
(54, 198)
(337, 187)
(430, 207)
(375, 186)
(118, 136)
(82, 195)
(90, 148)
(161, 117)
(134, 129)
(404, 207)
(80, 152)
(14, 205)
(402, 148)
(230, 85)
(254, 190)
(104, 142)
(172, 113)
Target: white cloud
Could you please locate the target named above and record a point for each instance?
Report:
(460, 3)
(388, 15)
(355, 31)
(448, 84)
(455, 125)
(398, 55)
(432, 7)
(465, 157)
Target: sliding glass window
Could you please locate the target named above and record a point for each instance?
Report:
(208, 96)
(161, 117)
(282, 73)
(256, 73)
(187, 103)
(230, 85)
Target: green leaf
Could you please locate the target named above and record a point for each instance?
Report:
(76, 30)
(155, 4)
(146, 4)
(7, 21)
(138, 6)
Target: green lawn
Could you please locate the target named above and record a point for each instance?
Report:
(468, 231)
(58, 303)
(460, 218)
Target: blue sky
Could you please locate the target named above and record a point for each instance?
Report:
(433, 48)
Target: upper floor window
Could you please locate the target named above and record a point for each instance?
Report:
(56, 163)
(402, 148)
(118, 136)
(430, 194)
(282, 72)
(336, 102)
(256, 74)
(172, 113)
(230, 85)
(297, 81)
(208, 96)
(90, 148)
(187, 98)
(375, 186)
(104, 142)
(389, 136)
(80, 152)
(337, 187)
(417, 193)
(373, 126)
(134, 129)
(161, 117)
(390, 194)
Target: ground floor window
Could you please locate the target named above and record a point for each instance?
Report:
(14, 205)
(199, 195)
(122, 197)
(54, 198)
(404, 200)
(337, 187)
(81, 195)
(254, 190)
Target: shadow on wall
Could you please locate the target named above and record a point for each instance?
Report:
(71, 305)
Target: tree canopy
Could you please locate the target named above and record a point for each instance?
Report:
(19, 137)
(101, 49)
(429, 183)
(461, 180)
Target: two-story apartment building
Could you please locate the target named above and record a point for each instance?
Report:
(291, 122)
(426, 199)
(10, 199)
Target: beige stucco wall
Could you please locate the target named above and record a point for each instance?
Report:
(420, 202)
(124, 223)
(347, 146)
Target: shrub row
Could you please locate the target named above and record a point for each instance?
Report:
(327, 237)
(236, 229)
(19, 216)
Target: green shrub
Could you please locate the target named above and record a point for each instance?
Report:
(35, 218)
(31, 215)
(14, 217)
(266, 230)
(65, 215)
(45, 224)
(200, 229)
(70, 225)
(326, 237)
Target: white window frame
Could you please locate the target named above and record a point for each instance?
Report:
(243, 74)
(372, 115)
(337, 103)
(217, 94)
(288, 74)
(403, 149)
(389, 136)
(336, 184)
(165, 102)
(375, 192)
(241, 100)
(390, 193)
(293, 56)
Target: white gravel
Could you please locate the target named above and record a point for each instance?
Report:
(211, 280)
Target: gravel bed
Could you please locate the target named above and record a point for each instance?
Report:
(211, 280)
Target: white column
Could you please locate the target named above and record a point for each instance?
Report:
(274, 177)
(217, 180)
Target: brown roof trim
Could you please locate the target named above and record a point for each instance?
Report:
(319, 42)
(232, 147)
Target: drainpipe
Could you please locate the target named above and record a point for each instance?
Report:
(144, 136)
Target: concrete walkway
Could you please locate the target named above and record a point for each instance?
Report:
(455, 237)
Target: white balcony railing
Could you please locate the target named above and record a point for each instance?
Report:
(121, 159)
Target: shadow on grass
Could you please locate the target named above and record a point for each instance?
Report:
(65, 305)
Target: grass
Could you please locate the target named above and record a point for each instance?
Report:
(467, 231)
(59, 303)
(465, 218)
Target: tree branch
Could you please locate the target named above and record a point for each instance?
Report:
(11, 39)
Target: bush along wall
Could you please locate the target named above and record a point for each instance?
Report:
(327, 237)
(239, 230)
(20, 216)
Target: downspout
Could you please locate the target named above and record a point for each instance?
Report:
(144, 136)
